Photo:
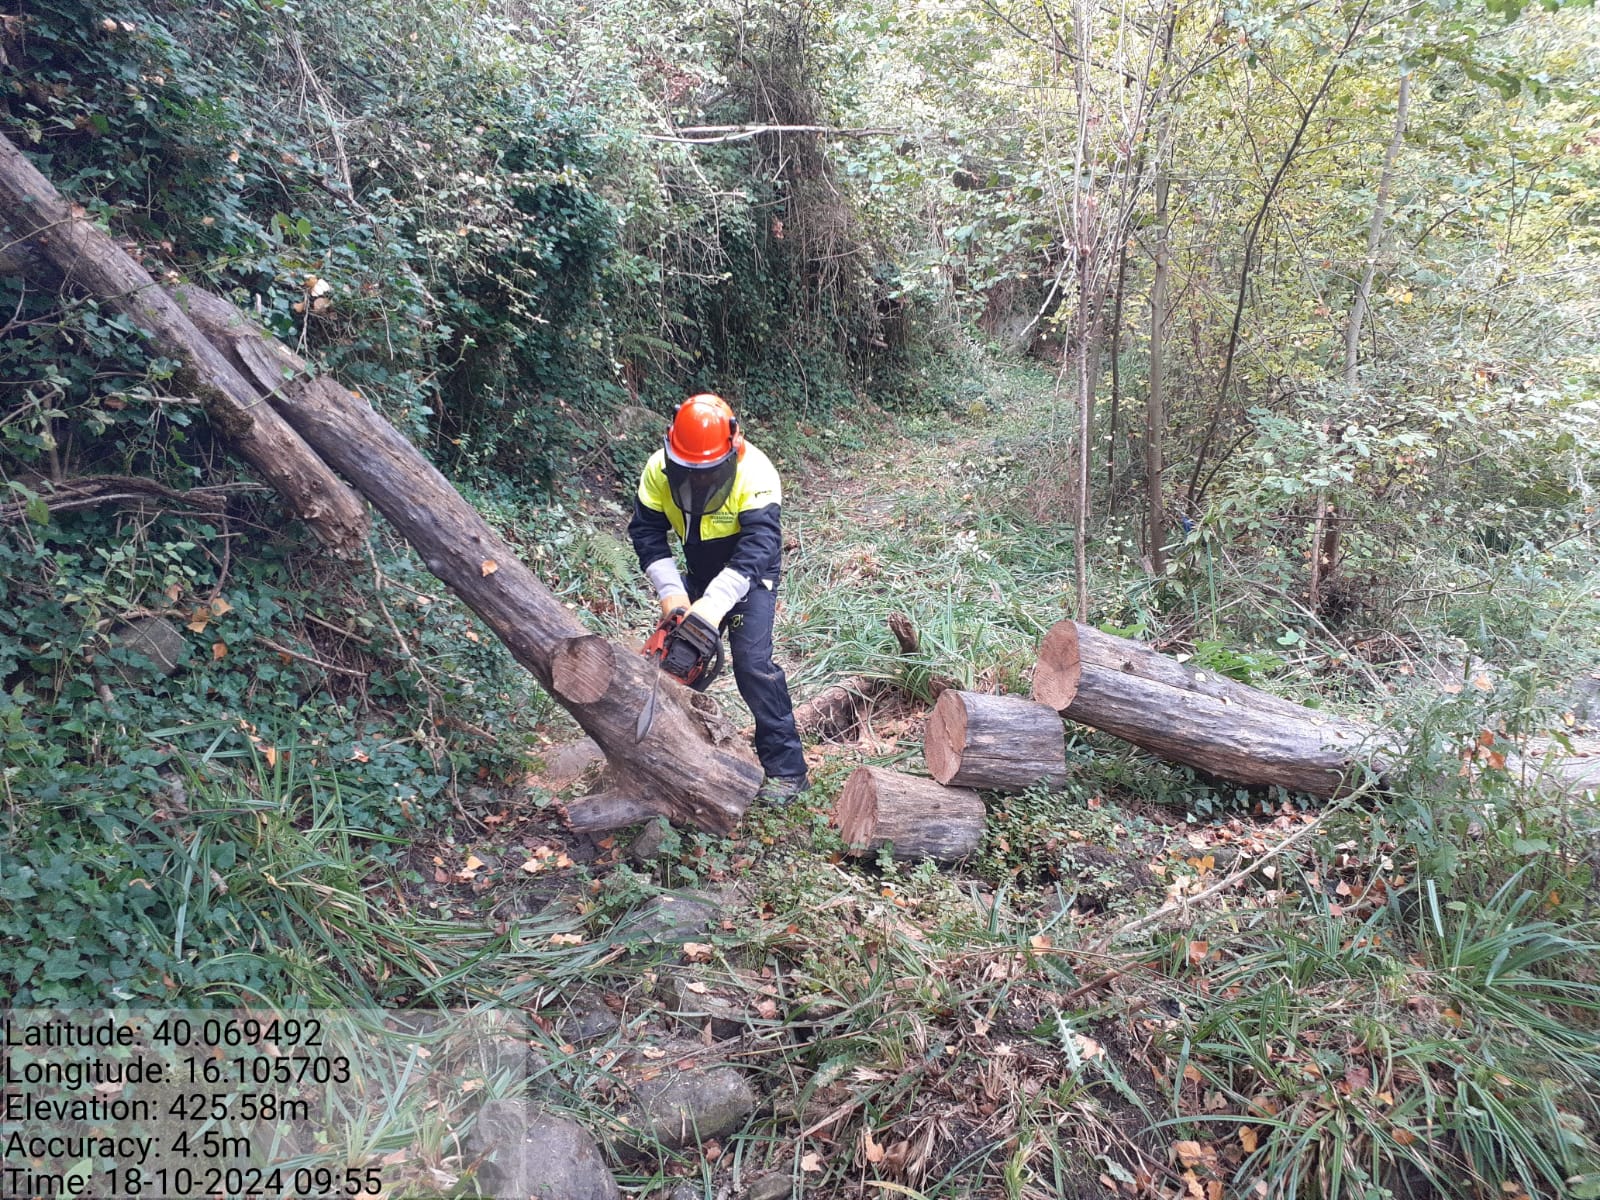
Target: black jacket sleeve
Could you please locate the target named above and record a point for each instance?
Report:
(760, 548)
(648, 531)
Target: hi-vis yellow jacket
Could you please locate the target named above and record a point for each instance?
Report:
(744, 534)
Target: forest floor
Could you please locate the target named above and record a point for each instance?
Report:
(1139, 986)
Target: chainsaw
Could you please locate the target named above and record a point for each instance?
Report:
(685, 647)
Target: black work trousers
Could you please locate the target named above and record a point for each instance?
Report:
(761, 682)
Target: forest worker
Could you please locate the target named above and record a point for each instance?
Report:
(721, 495)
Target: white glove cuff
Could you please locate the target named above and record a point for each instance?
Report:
(663, 576)
(722, 593)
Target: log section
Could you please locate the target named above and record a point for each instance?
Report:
(916, 817)
(1198, 718)
(1000, 742)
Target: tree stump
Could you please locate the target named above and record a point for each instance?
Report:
(917, 818)
(1000, 742)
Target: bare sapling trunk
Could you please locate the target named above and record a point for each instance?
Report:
(915, 817)
(1003, 743)
(1325, 525)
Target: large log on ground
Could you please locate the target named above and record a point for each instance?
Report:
(1198, 718)
(916, 817)
(76, 254)
(685, 769)
(1001, 742)
(252, 385)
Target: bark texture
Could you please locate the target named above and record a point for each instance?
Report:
(1000, 742)
(1198, 718)
(917, 817)
(57, 238)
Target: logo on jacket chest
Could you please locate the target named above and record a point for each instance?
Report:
(719, 524)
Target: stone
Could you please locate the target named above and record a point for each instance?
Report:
(522, 1151)
(670, 917)
(154, 638)
(586, 1019)
(684, 1107)
(566, 763)
(633, 418)
(647, 847)
(770, 1187)
(692, 1001)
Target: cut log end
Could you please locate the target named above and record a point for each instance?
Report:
(945, 738)
(917, 818)
(1000, 742)
(1056, 675)
(582, 668)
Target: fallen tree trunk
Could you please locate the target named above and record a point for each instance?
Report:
(917, 818)
(1200, 719)
(310, 423)
(1000, 742)
(76, 254)
(682, 770)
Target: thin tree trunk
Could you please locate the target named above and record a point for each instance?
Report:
(1375, 231)
(1155, 410)
(1116, 379)
(1325, 533)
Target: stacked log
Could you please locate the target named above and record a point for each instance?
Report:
(1198, 718)
(1004, 743)
(917, 818)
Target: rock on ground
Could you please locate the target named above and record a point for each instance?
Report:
(679, 1103)
(523, 1152)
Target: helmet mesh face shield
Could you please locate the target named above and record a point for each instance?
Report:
(698, 490)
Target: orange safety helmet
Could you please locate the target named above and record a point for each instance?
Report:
(703, 449)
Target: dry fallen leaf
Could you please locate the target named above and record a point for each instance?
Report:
(811, 1162)
(1248, 1138)
(490, 566)
(767, 1009)
(1190, 1154)
(698, 988)
(870, 1148)
(566, 939)
(696, 952)
(652, 1051)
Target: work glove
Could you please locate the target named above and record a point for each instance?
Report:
(710, 609)
(726, 590)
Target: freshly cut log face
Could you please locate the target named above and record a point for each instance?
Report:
(1000, 742)
(1198, 718)
(916, 817)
